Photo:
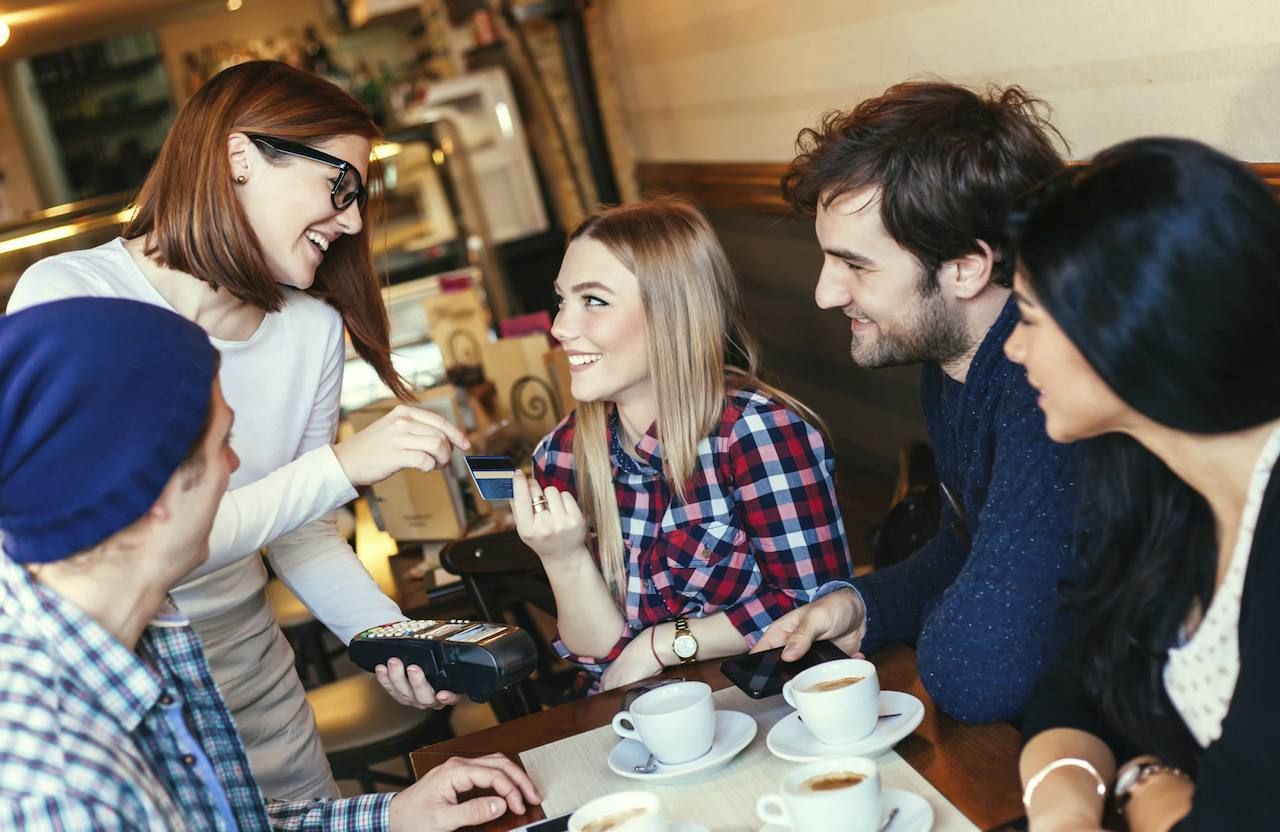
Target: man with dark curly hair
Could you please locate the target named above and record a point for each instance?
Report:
(910, 192)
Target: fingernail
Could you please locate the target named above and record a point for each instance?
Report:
(495, 807)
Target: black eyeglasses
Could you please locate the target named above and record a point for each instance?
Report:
(347, 189)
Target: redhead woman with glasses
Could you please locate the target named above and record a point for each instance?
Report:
(252, 224)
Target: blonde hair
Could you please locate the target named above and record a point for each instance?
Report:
(687, 284)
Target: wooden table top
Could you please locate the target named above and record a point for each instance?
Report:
(975, 767)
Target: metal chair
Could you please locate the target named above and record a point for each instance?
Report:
(503, 578)
(304, 633)
(360, 726)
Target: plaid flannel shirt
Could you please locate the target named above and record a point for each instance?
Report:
(758, 537)
(84, 741)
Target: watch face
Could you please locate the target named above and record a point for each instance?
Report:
(1126, 780)
(684, 646)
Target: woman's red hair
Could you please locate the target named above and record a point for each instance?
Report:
(192, 219)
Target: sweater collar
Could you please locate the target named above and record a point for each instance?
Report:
(990, 354)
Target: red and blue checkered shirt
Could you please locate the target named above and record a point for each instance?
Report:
(86, 739)
(758, 537)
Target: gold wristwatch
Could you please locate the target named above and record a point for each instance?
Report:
(684, 645)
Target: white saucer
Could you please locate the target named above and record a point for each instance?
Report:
(687, 826)
(914, 813)
(734, 732)
(791, 740)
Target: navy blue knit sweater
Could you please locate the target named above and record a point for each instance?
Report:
(984, 617)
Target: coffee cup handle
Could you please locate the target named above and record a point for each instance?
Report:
(624, 726)
(788, 696)
(770, 809)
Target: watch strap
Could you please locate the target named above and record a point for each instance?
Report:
(1127, 785)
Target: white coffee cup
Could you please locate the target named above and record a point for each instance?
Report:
(677, 723)
(836, 714)
(621, 812)
(837, 808)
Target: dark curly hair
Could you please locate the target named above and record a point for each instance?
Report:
(949, 162)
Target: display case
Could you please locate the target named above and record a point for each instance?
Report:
(482, 107)
(108, 106)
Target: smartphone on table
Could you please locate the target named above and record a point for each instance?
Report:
(556, 824)
(760, 675)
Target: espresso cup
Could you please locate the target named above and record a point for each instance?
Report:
(839, 701)
(677, 723)
(837, 795)
(621, 812)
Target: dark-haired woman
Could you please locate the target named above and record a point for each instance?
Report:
(1149, 285)
(251, 224)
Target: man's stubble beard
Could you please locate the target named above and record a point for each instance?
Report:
(932, 333)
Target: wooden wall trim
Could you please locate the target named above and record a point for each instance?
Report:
(1270, 173)
(721, 186)
(718, 185)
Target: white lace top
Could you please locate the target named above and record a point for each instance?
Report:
(1200, 675)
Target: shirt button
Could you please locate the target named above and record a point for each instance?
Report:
(166, 700)
(188, 760)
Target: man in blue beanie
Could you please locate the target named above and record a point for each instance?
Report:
(113, 459)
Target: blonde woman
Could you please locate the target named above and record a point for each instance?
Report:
(711, 498)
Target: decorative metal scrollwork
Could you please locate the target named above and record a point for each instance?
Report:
(531, 400)
(463, 349)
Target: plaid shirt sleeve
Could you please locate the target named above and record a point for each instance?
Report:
(553, 466)
(785, 487)
(366, 813)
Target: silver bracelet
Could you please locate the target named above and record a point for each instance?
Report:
(1065, 762)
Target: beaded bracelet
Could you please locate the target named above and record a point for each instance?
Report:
(1065, 762)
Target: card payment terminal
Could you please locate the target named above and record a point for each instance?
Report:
(475, 658)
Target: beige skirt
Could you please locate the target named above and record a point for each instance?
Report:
(253, 666)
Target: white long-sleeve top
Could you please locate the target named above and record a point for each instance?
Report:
(284, 385)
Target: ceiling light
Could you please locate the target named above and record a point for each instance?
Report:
(234, 5)
(4, 33)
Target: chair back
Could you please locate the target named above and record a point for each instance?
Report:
(913, 516)
(504, 577)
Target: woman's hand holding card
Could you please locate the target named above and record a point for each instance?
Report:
(549, 522)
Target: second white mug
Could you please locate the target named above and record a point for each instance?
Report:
(839, 701)
(677, 723)
(621, 812)
(836, 795)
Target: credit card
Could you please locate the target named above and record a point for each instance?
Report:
(492, 476)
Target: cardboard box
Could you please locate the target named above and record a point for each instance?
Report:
(526, 392)
(459, 324)
(413, 505)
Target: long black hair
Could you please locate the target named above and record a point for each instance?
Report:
(1160, 260)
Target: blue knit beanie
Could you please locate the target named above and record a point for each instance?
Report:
(100, 401)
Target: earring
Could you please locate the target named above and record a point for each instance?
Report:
(241, 179)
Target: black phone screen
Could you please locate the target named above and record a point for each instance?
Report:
(556, 824)
(763, 674)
